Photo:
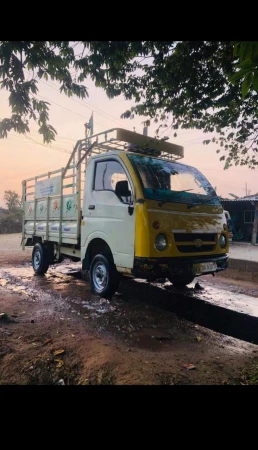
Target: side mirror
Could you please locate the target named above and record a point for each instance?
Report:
(122, 189)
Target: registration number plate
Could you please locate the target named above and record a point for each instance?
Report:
(204, 267)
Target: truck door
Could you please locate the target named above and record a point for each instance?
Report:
(106, 215)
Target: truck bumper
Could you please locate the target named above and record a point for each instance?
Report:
(152, 268)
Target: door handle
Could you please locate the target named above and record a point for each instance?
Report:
(91, 207)
(130, 210)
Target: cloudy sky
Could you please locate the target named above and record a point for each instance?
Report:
(23, 157)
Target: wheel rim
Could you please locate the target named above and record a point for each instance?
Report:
(36, 259)
(99, 276)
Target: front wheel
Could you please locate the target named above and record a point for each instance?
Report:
(181, 280)
(40, 259)
(104, 278)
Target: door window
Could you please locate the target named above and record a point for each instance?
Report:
(107, 174)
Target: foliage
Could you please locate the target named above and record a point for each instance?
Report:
(206, 85)
(12, 201)
(247, 52)
(11, 221)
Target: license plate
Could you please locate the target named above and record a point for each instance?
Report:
(204, 267)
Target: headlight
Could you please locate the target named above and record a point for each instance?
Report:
(222, 241)
(161, 242)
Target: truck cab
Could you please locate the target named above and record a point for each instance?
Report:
(141, 214)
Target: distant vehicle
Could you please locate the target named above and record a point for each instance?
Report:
(229, 225)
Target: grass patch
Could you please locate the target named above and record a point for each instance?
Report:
(249, 376)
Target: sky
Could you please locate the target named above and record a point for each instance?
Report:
(24, 157)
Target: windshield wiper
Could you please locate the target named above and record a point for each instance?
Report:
(180, 192)
(155, 191)
(201, 202)
(162, 202)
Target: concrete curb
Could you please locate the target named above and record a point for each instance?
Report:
(241, 269)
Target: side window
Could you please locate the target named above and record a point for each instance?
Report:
(248, 216)
(107, 174)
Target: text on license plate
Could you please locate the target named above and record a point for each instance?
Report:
(204, 267)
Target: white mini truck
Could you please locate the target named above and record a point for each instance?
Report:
(123, 205)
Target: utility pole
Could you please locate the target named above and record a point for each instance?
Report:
(89, 126)
(246, 189)
(145, 131)
(86, 130)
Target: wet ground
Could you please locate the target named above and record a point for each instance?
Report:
(53, 330)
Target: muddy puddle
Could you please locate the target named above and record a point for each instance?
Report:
(141, 313)
(62, 282)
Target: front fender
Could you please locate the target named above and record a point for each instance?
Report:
(91, 237)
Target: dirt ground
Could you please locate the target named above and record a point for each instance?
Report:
(54, 331)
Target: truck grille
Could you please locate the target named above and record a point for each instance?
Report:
(195, 242)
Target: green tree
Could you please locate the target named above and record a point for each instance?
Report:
(12, 200)
(206, 85)
(12, 222)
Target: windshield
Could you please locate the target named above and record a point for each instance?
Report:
(173, 182)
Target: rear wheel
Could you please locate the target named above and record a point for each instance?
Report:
(104, 278)
(181, 280)
(40, 259)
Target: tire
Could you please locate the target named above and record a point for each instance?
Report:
(182, 280)
(40, 259)
(104, 278)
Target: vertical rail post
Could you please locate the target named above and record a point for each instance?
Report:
(47, 219)
(61, 207)
(78, 191)
(35, 207)
(73, 163)
(23, 213)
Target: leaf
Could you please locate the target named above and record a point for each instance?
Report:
(58, 352)
(4, 317)
(240, 74)
(59, 362)
(246, 64)
(246, 84)
(47, 341)
(255, 80)
(242, 50)
(236, 49)
(198, 338)
(189, 366)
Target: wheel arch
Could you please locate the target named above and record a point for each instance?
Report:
(31, 241)
(95, 246)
